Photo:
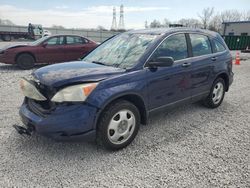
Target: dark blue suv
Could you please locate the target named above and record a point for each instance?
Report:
(115, 87)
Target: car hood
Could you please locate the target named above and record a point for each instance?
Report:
(14, 46)
(69, 73)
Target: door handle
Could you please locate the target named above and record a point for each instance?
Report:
(214, 58)
(186, 64)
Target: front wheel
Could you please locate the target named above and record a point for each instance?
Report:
(25, 61)
(216, 94)
(118, 125)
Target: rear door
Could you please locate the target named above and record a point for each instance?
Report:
(75, 47)
(51, 51)
(168, 85)
(202, 64)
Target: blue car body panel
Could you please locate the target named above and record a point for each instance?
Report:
(63, 123)
(156, 88)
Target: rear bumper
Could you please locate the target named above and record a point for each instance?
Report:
(65, 123)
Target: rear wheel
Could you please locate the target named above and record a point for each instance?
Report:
(216, 94)
(6, 38)
(25, 61)
(118, 125)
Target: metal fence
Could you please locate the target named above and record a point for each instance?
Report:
(96, 35)
(237, 42)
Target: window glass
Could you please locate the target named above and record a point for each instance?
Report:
(74, 40)
(55, 41)
(174, 46)
(218, 47)
(200, 44)
(123, 50)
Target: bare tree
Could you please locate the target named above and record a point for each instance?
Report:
(6, 22)
(155, 24)
(216, 23)
(101, 28)
(166, 23)
(231, 16)
(246, 16)
(205, 16)
(190, 22)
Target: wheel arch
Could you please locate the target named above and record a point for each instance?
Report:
(225, 77)
(134, 99)
(25, 52)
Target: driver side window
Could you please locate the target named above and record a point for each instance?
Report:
(55, 41)
(175, 46)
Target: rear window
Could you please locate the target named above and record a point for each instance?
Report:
(75, 40)
(218, 47)
(200, 45)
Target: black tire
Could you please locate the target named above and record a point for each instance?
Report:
(109, 113)
(25, 61)
(209, 102)
(6, 38)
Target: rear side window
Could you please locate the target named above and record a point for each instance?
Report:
(218, 47)
(200, 45)
(175, 46)
(75, 40)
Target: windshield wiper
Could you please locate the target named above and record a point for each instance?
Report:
(99, 63)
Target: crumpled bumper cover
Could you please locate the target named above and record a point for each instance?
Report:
(72, 122)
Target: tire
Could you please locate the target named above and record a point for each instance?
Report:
(118, 125)
(6, 38)
(216, 94)
(25, 61)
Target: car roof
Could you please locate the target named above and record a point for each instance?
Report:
(162, 31)
(60, 35)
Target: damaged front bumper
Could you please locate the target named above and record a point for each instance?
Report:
(65, 122)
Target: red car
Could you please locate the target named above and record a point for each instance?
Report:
(47, 50)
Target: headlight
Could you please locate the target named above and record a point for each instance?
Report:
(74, 93)
(30, 91)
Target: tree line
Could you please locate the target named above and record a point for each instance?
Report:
(206, 19)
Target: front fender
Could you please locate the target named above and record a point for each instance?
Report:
(101, 98)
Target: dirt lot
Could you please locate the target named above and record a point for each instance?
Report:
(189, 146)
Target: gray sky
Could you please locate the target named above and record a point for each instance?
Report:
(90, 14)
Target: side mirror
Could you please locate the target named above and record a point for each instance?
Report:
(161, 62)
(44, 44)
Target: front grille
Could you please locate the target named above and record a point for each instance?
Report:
(40, 108)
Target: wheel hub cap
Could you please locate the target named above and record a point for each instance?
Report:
(121, 126)
(218, 92)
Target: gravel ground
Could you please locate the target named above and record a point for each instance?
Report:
(189, 146)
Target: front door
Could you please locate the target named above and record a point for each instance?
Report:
(51, 51)
(168, 85)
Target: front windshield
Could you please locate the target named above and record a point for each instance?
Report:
(122, 51)
(39, 41)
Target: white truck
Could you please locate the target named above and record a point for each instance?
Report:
(34, 31)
